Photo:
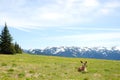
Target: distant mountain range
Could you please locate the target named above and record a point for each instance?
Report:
(96, 52)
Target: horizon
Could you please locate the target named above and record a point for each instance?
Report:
(51, 23)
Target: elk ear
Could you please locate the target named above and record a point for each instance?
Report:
(81, 61)
(85, 61)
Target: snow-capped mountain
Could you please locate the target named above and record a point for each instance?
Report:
(95, 52)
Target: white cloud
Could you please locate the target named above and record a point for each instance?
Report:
(51, 16)
(104, 11)
(113, 4)
(91, 3)
(109, 8)
(91, 28)
(58, 12)
(90, 37)
(99, 39)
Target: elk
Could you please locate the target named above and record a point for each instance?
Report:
(83, 67)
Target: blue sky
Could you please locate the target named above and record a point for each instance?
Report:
(47, 23)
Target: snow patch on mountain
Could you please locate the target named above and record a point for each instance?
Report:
(85, 52)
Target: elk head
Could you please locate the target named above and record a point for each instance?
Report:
(83, 68)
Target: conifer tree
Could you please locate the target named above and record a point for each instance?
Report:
(17, 48)
(6, 45)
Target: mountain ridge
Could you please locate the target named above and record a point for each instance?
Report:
(95, 52)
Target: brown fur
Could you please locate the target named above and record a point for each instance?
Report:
(83, 67)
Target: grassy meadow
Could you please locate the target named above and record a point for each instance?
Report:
(34, 67)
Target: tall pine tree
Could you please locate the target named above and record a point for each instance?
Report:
(17, 48)
(6, 45)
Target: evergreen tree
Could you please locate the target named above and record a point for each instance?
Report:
(17, 48)
(6, 45)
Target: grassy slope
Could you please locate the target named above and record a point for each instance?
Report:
(32, 67)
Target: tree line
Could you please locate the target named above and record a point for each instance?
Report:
(6, 43)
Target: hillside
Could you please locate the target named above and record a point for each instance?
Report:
(34, 67)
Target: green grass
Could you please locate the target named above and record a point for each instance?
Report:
(33, 67)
